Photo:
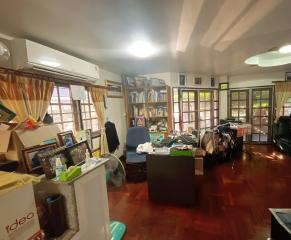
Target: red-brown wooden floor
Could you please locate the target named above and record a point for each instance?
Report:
(231, 204)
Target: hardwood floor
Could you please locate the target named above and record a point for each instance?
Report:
(231, 204)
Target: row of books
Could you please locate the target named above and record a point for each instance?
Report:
(159, 111)
(157, 96)
(150, 96)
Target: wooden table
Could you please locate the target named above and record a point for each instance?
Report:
(171, 179)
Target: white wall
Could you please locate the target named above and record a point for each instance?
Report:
(115, 111)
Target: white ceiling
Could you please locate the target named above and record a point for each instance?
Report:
(218, 35)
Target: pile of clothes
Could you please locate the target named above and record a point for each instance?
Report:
(219, 140)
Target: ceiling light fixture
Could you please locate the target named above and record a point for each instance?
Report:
(141, 49)
(285, 49)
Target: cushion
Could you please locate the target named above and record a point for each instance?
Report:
(133, 157)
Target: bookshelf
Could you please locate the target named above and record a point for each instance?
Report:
(151, 102)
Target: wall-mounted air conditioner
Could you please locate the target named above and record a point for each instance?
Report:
(28, 55)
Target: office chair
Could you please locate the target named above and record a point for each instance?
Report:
(135, 162)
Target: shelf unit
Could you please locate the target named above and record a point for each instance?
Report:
(152, 102)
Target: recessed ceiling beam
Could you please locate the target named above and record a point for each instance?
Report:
(188, 21)
(256, 13)
(226, 16)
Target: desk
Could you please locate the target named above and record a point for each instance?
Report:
(171, 179)
(280, 230)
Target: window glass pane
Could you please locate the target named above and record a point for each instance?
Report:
(201, 96)
(176, 117)
(93, 115)
(67, 117)
(234, 113)
(57, 118)
(234, 95)
(234, 104)
(207, 96)
(256, 94)
(192, 116)
(67, 109)
(55, 109)
(207, 106)
(256, 103)
(242, 104)
(208, 124)
(202, 106)
(191, 96)
(264, 103)
(256, 121)
(95, 125)
(202, 115)
(265, 120)
(242, 112)
(185, 107)
(208, 115)
(192, 106)
(265, 94)
(54, 98)
(176, 107)
(185, 96)
(185, 117)
(202, 124)
(242, 95)
(68, 126)
(264, 111)
(177, 126)
(64, 95)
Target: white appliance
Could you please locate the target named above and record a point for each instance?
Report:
(31, 56)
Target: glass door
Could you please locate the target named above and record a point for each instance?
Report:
(239, 105)
(261, 114)
(205, 101)
(189, 109)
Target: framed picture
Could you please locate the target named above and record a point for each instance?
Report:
(48, 161)
(67, 138)
(182, 79)
(128, 81)
(198, 80)
(114, 89)
(6, 115)
(212, 81)
(223, 86)
(77, 152)
(31, 155)
(288, 76)
(85, 135)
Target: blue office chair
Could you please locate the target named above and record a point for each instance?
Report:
(135, 162)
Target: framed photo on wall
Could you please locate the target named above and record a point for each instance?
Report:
(288, 76)
(114, 89)
(182, 79)
(212, 81)
(223, 86)
(198, 80)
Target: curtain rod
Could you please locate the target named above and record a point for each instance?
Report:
(50, 77)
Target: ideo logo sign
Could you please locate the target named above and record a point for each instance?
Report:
(19, 222)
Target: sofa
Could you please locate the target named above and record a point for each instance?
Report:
(282, 134)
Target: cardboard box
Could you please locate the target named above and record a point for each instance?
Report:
(13, 141)
(19, 220)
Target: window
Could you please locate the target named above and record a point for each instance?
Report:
(61, 108)
(239, 105)
(71, 115)
(88, 114)
(286, 111)
(195, 108)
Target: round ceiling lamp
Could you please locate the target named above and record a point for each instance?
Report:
(4, 52)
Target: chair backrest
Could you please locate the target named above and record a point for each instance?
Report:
(136, 136)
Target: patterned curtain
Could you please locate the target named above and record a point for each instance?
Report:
(11, 95)
(37, 93)
(26, 96)
(282, 94)
(98, 95)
